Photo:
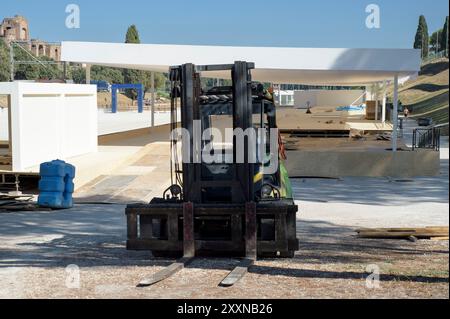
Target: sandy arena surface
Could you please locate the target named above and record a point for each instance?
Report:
(36, 248)
(43, 254)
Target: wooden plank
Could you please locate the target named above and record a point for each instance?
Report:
(237, 274)
(220, 245)
(146, 227)
(236, 228)
(165, 273)
(440, 238)
(172, 227)
(425, 232)
(132, 231)
(250, 231)
(401, 234)
(188, 230)
(154, 244)
(281, 231)
(410, 229)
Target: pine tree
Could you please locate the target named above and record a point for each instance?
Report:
(132, 35)
(132, 76)
(422, 39)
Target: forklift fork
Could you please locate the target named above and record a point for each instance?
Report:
(189, 249)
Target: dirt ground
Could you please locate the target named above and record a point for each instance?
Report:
(327, 266)
(3, 101)
(80, 252)
(37, 250)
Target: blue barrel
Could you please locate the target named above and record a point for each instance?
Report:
(56, 185)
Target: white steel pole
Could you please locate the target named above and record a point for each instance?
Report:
(395, 115)
(88, 74)
(383, 108)
(152, 111)
(376, 101)
(11, 61)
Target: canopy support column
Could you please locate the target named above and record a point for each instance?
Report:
(377, 103)
(395, 115)
(88, 74)
(383, 108)
(152, 106)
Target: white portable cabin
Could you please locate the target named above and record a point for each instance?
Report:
(47, 121)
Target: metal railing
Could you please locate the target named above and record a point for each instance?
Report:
(427, 138)
(400, 127)
(435, 56)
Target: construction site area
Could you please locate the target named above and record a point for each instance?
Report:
(332, 261)
(227, 185)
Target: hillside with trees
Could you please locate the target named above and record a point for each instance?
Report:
(428, 94)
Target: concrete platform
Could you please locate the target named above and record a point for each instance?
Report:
(327, 118)
(109, 123)
(344, 157)
(36, 248)
(115, 152)
(336, 164)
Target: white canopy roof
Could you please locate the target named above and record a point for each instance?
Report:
(311, 66)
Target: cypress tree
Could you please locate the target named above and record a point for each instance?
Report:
(132, 35)
(444, 37)
(132, 76)
(422, 39)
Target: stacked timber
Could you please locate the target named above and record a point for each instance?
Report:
(436, 233)
(371, 110)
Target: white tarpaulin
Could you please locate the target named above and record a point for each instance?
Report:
(313, 66)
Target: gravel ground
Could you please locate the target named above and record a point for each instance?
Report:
(37, 247)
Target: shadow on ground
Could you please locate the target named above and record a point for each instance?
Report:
(434, 68)
(428, 87)
(94, 236)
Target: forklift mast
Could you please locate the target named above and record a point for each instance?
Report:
(240, 182)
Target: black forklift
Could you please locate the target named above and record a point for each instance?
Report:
(233, 205)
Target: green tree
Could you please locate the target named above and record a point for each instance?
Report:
(129, 75)
(132, 35)
(160, 81)
(421, 40)
(4, 62)
(77, 74)
(36, 71)
(436, 41)
(111, 75)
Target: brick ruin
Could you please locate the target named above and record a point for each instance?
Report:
(17, 29)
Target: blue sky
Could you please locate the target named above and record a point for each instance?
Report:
(300, 23)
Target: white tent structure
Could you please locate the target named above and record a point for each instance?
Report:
(309, 66)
